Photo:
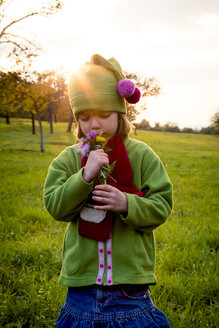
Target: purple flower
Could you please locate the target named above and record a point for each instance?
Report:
(88, 143)
(84, 149)
(92, 134)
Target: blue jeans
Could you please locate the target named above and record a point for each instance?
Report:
(114, 306)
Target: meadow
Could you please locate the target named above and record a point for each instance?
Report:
(31, 241)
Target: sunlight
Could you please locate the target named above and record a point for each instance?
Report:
(179, 50)
(210, 21)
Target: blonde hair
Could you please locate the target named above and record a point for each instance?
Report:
(124, 127)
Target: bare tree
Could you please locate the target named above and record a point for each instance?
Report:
(149, 87)
(20, 47)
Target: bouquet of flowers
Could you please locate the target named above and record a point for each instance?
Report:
(95, 140)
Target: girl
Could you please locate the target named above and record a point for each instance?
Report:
(109, 249)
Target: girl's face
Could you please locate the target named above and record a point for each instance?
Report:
(107, 122)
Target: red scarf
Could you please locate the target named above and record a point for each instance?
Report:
(122, 173)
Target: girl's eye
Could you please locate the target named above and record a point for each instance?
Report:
(105, 115)
(84, 118)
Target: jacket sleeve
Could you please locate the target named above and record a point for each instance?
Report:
(65, 190)
(148, 212)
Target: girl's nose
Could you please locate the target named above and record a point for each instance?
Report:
(95, 123)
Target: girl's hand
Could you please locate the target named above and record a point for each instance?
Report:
(112, 198)
(95, 160)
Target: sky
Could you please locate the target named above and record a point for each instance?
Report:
(175, 42)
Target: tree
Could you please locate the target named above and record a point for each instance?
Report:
(50, 81)
(71, 120)
(9, 94)
(157, 127)
(215, 122)
(19, 47)
(37, 94)
(60, 108)
(207, 130)
(213, 128)
(62, 105)
(171, 127)
(188, 130)
(144, 124)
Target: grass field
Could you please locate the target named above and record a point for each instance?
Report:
(31, 241)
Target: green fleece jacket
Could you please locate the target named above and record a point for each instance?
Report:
(133, 244)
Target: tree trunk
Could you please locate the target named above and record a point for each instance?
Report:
(50, 122)
(135, 131)
(71, 119)
(7, 119)
(41, 131)
(33, 123)
(55, 118)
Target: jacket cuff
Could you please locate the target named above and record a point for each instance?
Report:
(82, 184)
(126, 216)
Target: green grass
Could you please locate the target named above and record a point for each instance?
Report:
(31, 241)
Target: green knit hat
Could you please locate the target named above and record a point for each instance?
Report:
(94, 87)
